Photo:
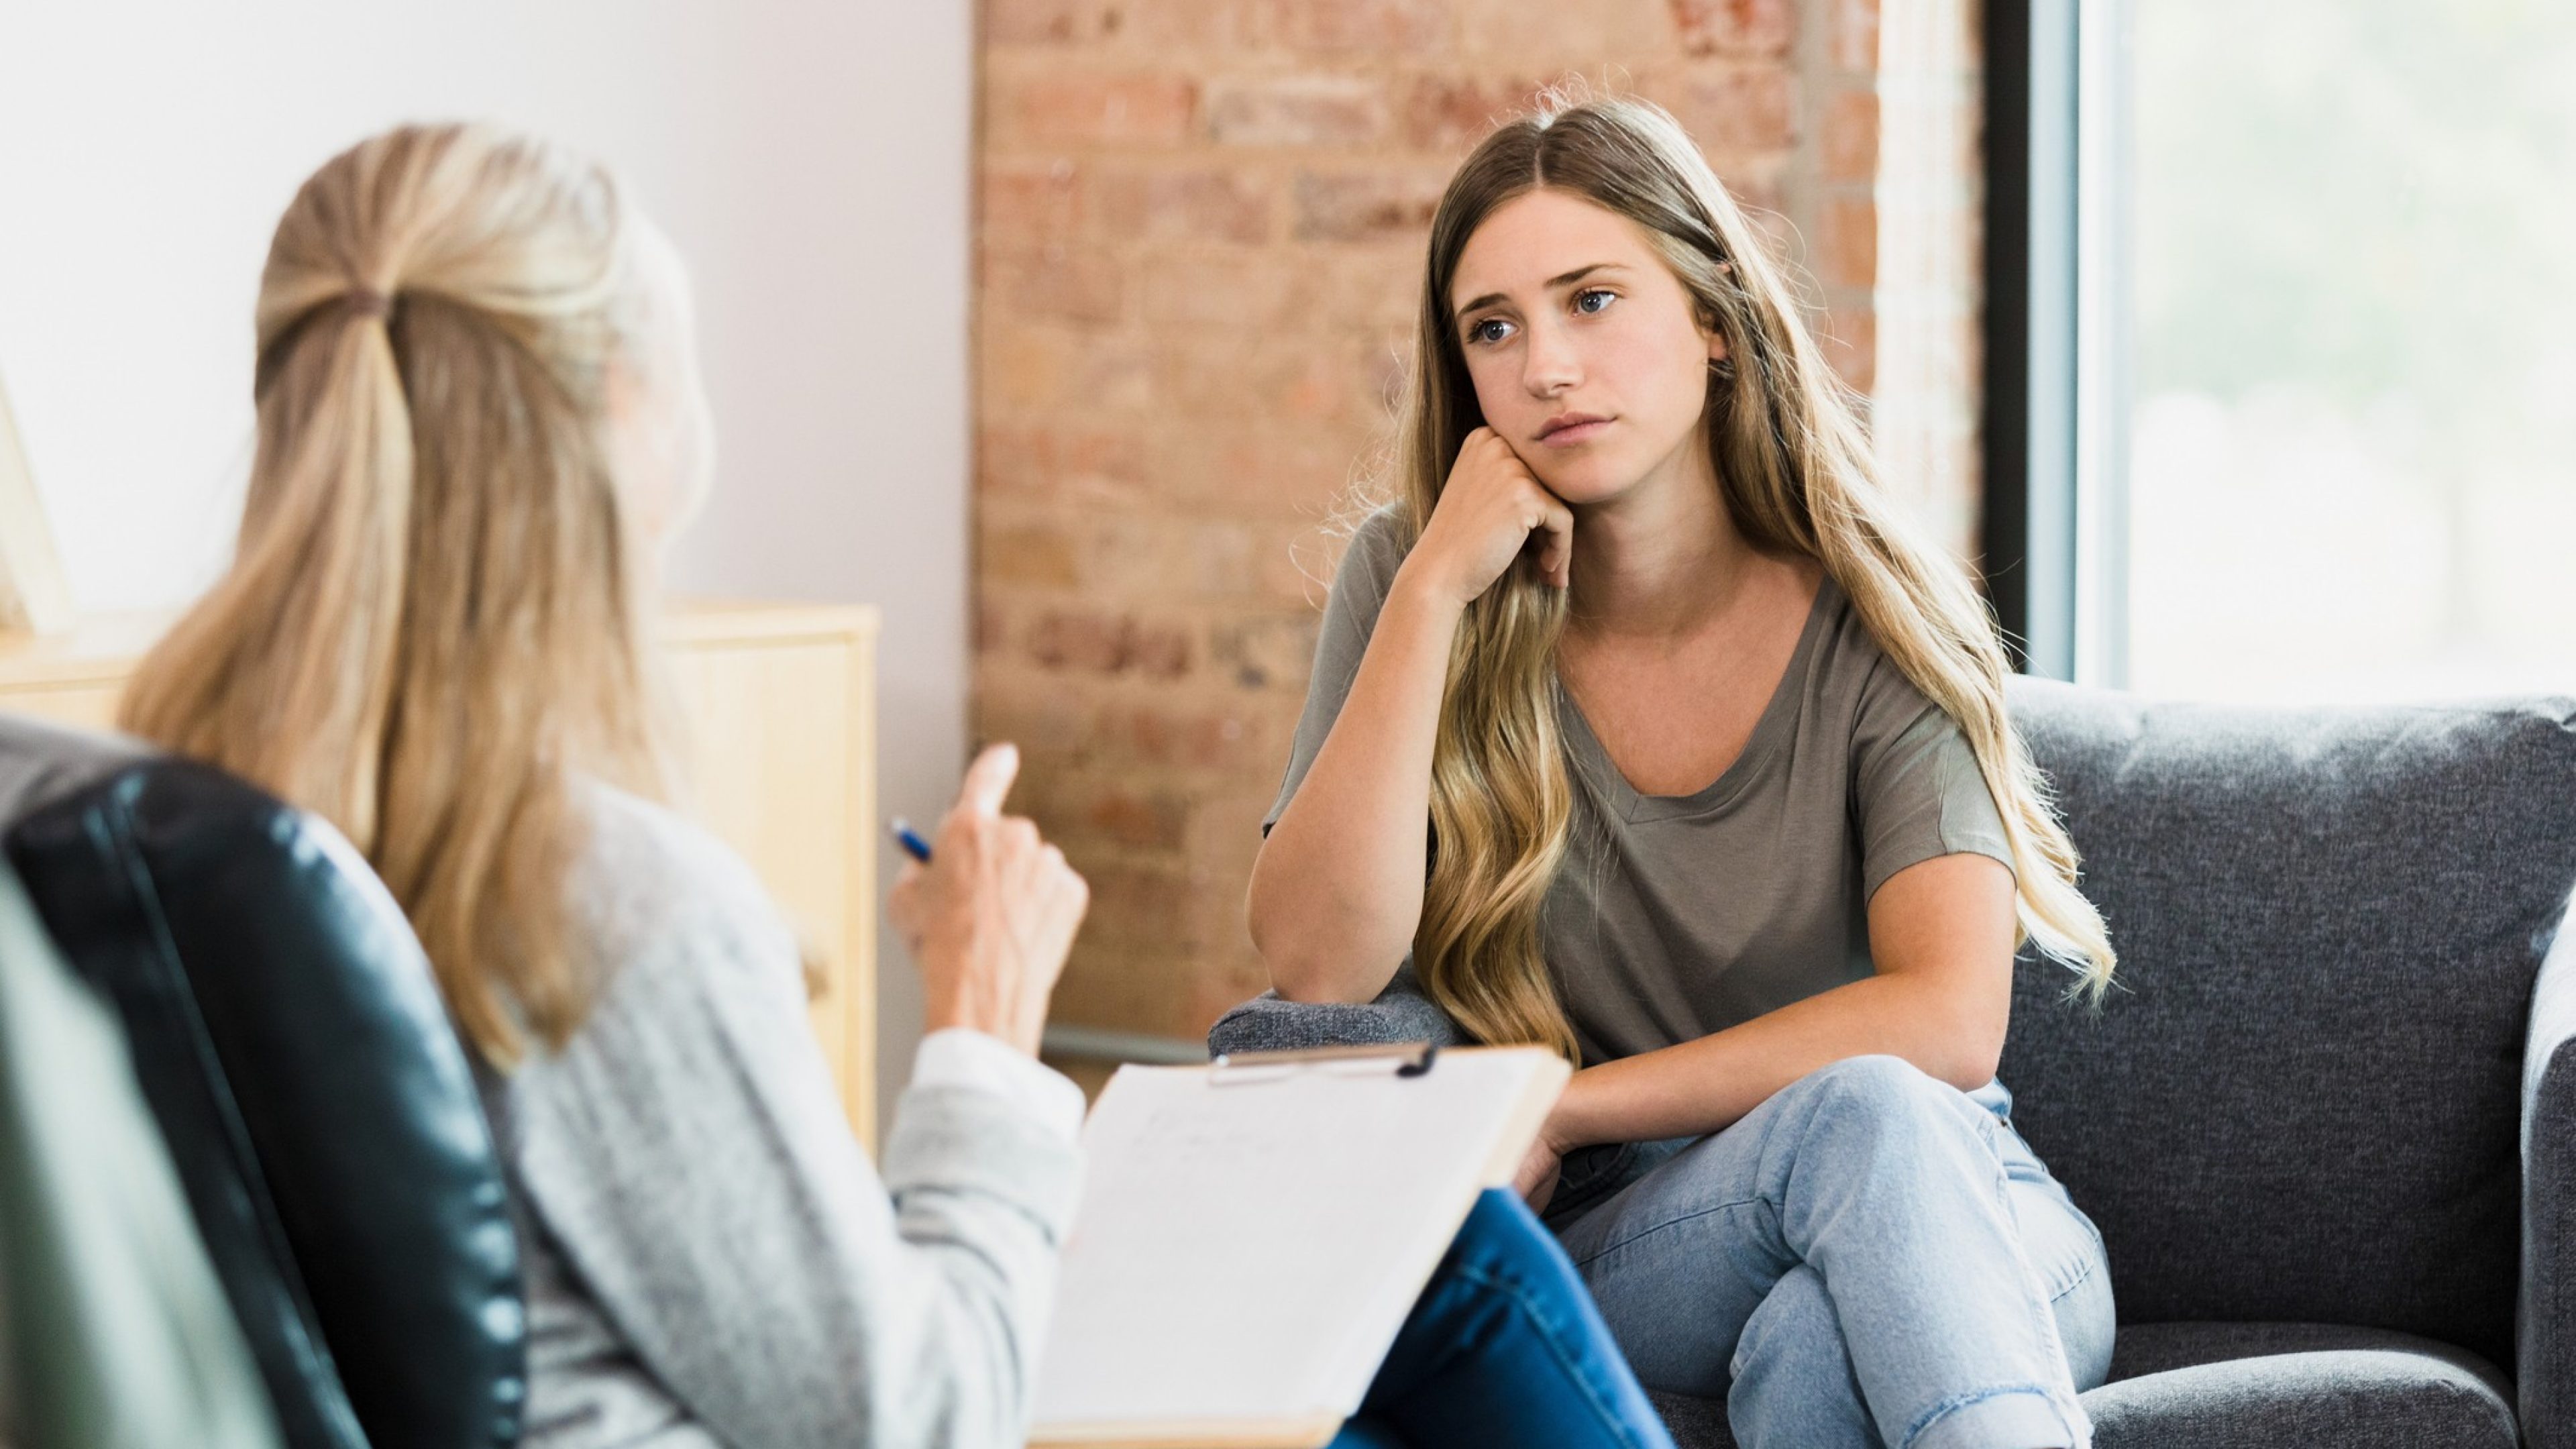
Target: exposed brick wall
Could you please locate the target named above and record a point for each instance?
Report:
(1200, 237)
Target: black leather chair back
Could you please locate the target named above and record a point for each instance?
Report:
(292, 1043)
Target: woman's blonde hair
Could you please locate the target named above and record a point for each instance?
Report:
(1794, 467)
(434, 615)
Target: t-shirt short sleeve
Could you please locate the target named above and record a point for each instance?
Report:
(1916, 790)
(1350, 616)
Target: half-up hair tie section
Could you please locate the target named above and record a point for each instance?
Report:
(368, 302)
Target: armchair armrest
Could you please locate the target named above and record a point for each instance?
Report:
(2545, 1326)
(1400, 1013)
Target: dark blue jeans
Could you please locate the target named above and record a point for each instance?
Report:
(1504, 1349)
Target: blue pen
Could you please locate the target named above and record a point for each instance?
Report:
(909, 838)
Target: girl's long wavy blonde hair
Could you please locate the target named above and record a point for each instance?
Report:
(434, 615)
(1794, 466)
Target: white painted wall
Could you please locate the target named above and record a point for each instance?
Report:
(812, 160)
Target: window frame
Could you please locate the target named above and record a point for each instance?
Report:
(2053, 519)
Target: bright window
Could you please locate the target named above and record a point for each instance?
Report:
(2346, 272)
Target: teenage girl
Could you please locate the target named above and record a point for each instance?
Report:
(1650, 730)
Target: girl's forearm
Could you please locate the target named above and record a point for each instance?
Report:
(1704, 1086)
(1337, 889)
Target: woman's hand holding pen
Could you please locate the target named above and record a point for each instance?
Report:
(990, 917)
(1490, 510)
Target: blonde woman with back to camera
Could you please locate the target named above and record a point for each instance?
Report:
(1646, 728)
(479, 421)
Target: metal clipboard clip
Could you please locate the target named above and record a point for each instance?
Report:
(1409, 1058)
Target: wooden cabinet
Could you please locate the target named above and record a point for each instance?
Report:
(781, 700)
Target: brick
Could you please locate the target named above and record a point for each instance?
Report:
(1734, 27)
(1284, 379)
(1219, 558)
(1449, 114)
(1848, 143)
(1030, 369)
(1056, 110)
(1054, 281)
(1265, 653)
(1086, 808)
(1375, 287)
(1038, 553)
(1170, 733)
(1083, 464)
(1029, 201)
(1256, 470)
(1196, 203)
(1224, 827)
(1215, 27)
(1296, 565)
(1374, 26)
(1125, 984)
(1850, 339)
(1108, 643)
(1378, 205)
(1295, 110)
(1552, 33)
(1235, 287)
(1758, 183)
(1052, 22)
(1847, 242)
(1131, 557)
(1734, 110)
(1034, 711)
(1139, 904)
(1852, 33)
(992, 628)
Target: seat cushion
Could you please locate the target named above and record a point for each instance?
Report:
(2302, 1104)
(2257, 1386)
(2262, 1385)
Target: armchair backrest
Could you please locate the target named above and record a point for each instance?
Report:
(291, 1043)
(2303, 1100)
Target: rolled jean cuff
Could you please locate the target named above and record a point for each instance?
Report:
(2029, 1418)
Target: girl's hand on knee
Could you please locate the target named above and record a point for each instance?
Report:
(1536, 1181)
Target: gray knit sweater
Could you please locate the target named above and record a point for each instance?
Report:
(710, 1258)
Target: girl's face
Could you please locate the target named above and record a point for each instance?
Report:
(1587, 352)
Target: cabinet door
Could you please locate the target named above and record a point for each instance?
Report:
(779, 769)
(81, 706)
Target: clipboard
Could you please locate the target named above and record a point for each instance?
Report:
(1252, 1234)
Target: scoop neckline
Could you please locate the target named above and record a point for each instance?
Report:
(1779, 716)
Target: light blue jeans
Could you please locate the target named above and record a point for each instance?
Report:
(1869, 1258)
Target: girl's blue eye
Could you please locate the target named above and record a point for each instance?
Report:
(1490, 329)
(1583, 301)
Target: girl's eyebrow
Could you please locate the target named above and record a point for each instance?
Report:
(1566, 279)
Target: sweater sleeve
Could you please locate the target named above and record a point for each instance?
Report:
(688, 1153)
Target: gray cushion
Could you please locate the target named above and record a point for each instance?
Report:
(2263, 1385)
(2256, 1386)
(1268, 1024)
(2304, 1104)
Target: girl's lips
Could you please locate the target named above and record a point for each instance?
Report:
(1567, 437)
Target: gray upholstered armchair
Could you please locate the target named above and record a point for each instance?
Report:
(2328, 1127)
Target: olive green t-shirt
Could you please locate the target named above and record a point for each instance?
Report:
(1674, 916)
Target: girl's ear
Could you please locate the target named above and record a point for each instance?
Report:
(1716, 346)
